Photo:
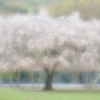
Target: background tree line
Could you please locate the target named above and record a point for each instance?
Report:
(59, 78)
(88, 9)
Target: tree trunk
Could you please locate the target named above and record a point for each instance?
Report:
(11, 79)
(1, 79)
(84, 78)
(90, 79)
(32, 79)
(48, 82)
(18, 80)
(48, 79)
(87, 79)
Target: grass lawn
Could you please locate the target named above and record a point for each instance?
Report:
(14, 94)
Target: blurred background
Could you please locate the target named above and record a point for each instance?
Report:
(88, 9)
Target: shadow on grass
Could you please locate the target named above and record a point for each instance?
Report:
(63, 91)
(78, 91)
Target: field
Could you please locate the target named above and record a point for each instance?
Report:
(14, 94)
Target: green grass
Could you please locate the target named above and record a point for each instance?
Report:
(14, 94)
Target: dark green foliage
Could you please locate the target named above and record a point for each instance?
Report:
(39, 77)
